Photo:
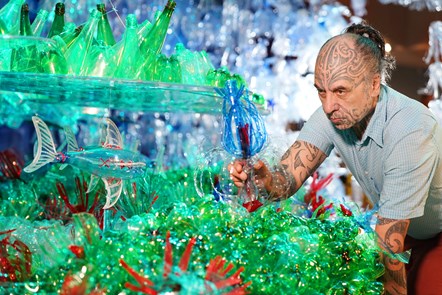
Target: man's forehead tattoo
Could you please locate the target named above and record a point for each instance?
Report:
(338, 59)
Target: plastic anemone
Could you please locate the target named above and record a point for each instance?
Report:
(244, 131)
(216, 274)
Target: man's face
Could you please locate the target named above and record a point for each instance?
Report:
(347, 87)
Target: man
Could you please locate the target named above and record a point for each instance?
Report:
(392, 145)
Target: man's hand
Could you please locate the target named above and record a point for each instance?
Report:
(296, 165)
(239, 173)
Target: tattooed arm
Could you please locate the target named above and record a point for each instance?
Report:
(296, 165)
(392, 234)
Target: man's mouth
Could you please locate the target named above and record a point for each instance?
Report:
(336, 120)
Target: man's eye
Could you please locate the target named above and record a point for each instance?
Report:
(340, 92)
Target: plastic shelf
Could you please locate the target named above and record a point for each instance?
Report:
(112, 93)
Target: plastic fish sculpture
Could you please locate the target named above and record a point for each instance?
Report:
(108, 161)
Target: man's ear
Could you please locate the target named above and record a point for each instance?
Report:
(376, 85)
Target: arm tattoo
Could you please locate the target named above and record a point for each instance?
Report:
(300, 161)
(395, 276)
(384, 221)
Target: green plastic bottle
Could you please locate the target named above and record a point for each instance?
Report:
(105, 35)
(143, 30)
(194, 65)
(39, 22)
(25, 22)
(24, 56)
(218, 77)
(58, 22)
(167, 69)
(77, 52)
(10, 17)
(153, 42)
(70, 32)
(65, 39)
(128, 61)
(52, 60)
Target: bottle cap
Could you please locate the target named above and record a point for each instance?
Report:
(59, 8)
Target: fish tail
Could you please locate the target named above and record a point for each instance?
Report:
(45, 152)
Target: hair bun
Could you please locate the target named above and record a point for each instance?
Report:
(365, 30)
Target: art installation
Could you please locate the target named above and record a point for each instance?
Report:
(184, 89)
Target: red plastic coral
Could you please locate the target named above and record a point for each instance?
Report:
(317, 203)
(215, 273)
(15, 259)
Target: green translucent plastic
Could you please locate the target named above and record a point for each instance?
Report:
(194, 65)
(104, 30)
(100, 61)
(58, 23)
(39, 22)
(219, 77)
(31, 54)
(25, 22)
(165, 69)
(70, 32)
(77, 52)
(10, 17)
(152, 44)
(25, 58)
(157, 34)
(143, 30)
(129, 59)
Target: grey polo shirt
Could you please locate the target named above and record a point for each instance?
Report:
(397, 162)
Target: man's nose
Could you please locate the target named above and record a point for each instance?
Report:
(329, 104)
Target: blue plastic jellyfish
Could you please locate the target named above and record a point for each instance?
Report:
(244, 134)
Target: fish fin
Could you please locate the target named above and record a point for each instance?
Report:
(113, 137)
(72, 141)
(44, 152)
(93, 183)
(62, 166)
(114, 186)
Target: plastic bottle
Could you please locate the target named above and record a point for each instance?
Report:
(153, 42)
(105, 35)
(129, 59)
(58, 23)
(25, 22)
(24, 57)
(10, 17)
(77, 52)
(39, 22)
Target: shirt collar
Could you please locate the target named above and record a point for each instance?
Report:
(375, 128)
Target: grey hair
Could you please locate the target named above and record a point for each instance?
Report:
(371, 44)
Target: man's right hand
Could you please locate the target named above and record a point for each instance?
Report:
(239, 173)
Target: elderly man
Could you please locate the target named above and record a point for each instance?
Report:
(392, 145)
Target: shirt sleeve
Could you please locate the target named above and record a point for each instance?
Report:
(317, 132)
(409, 169)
